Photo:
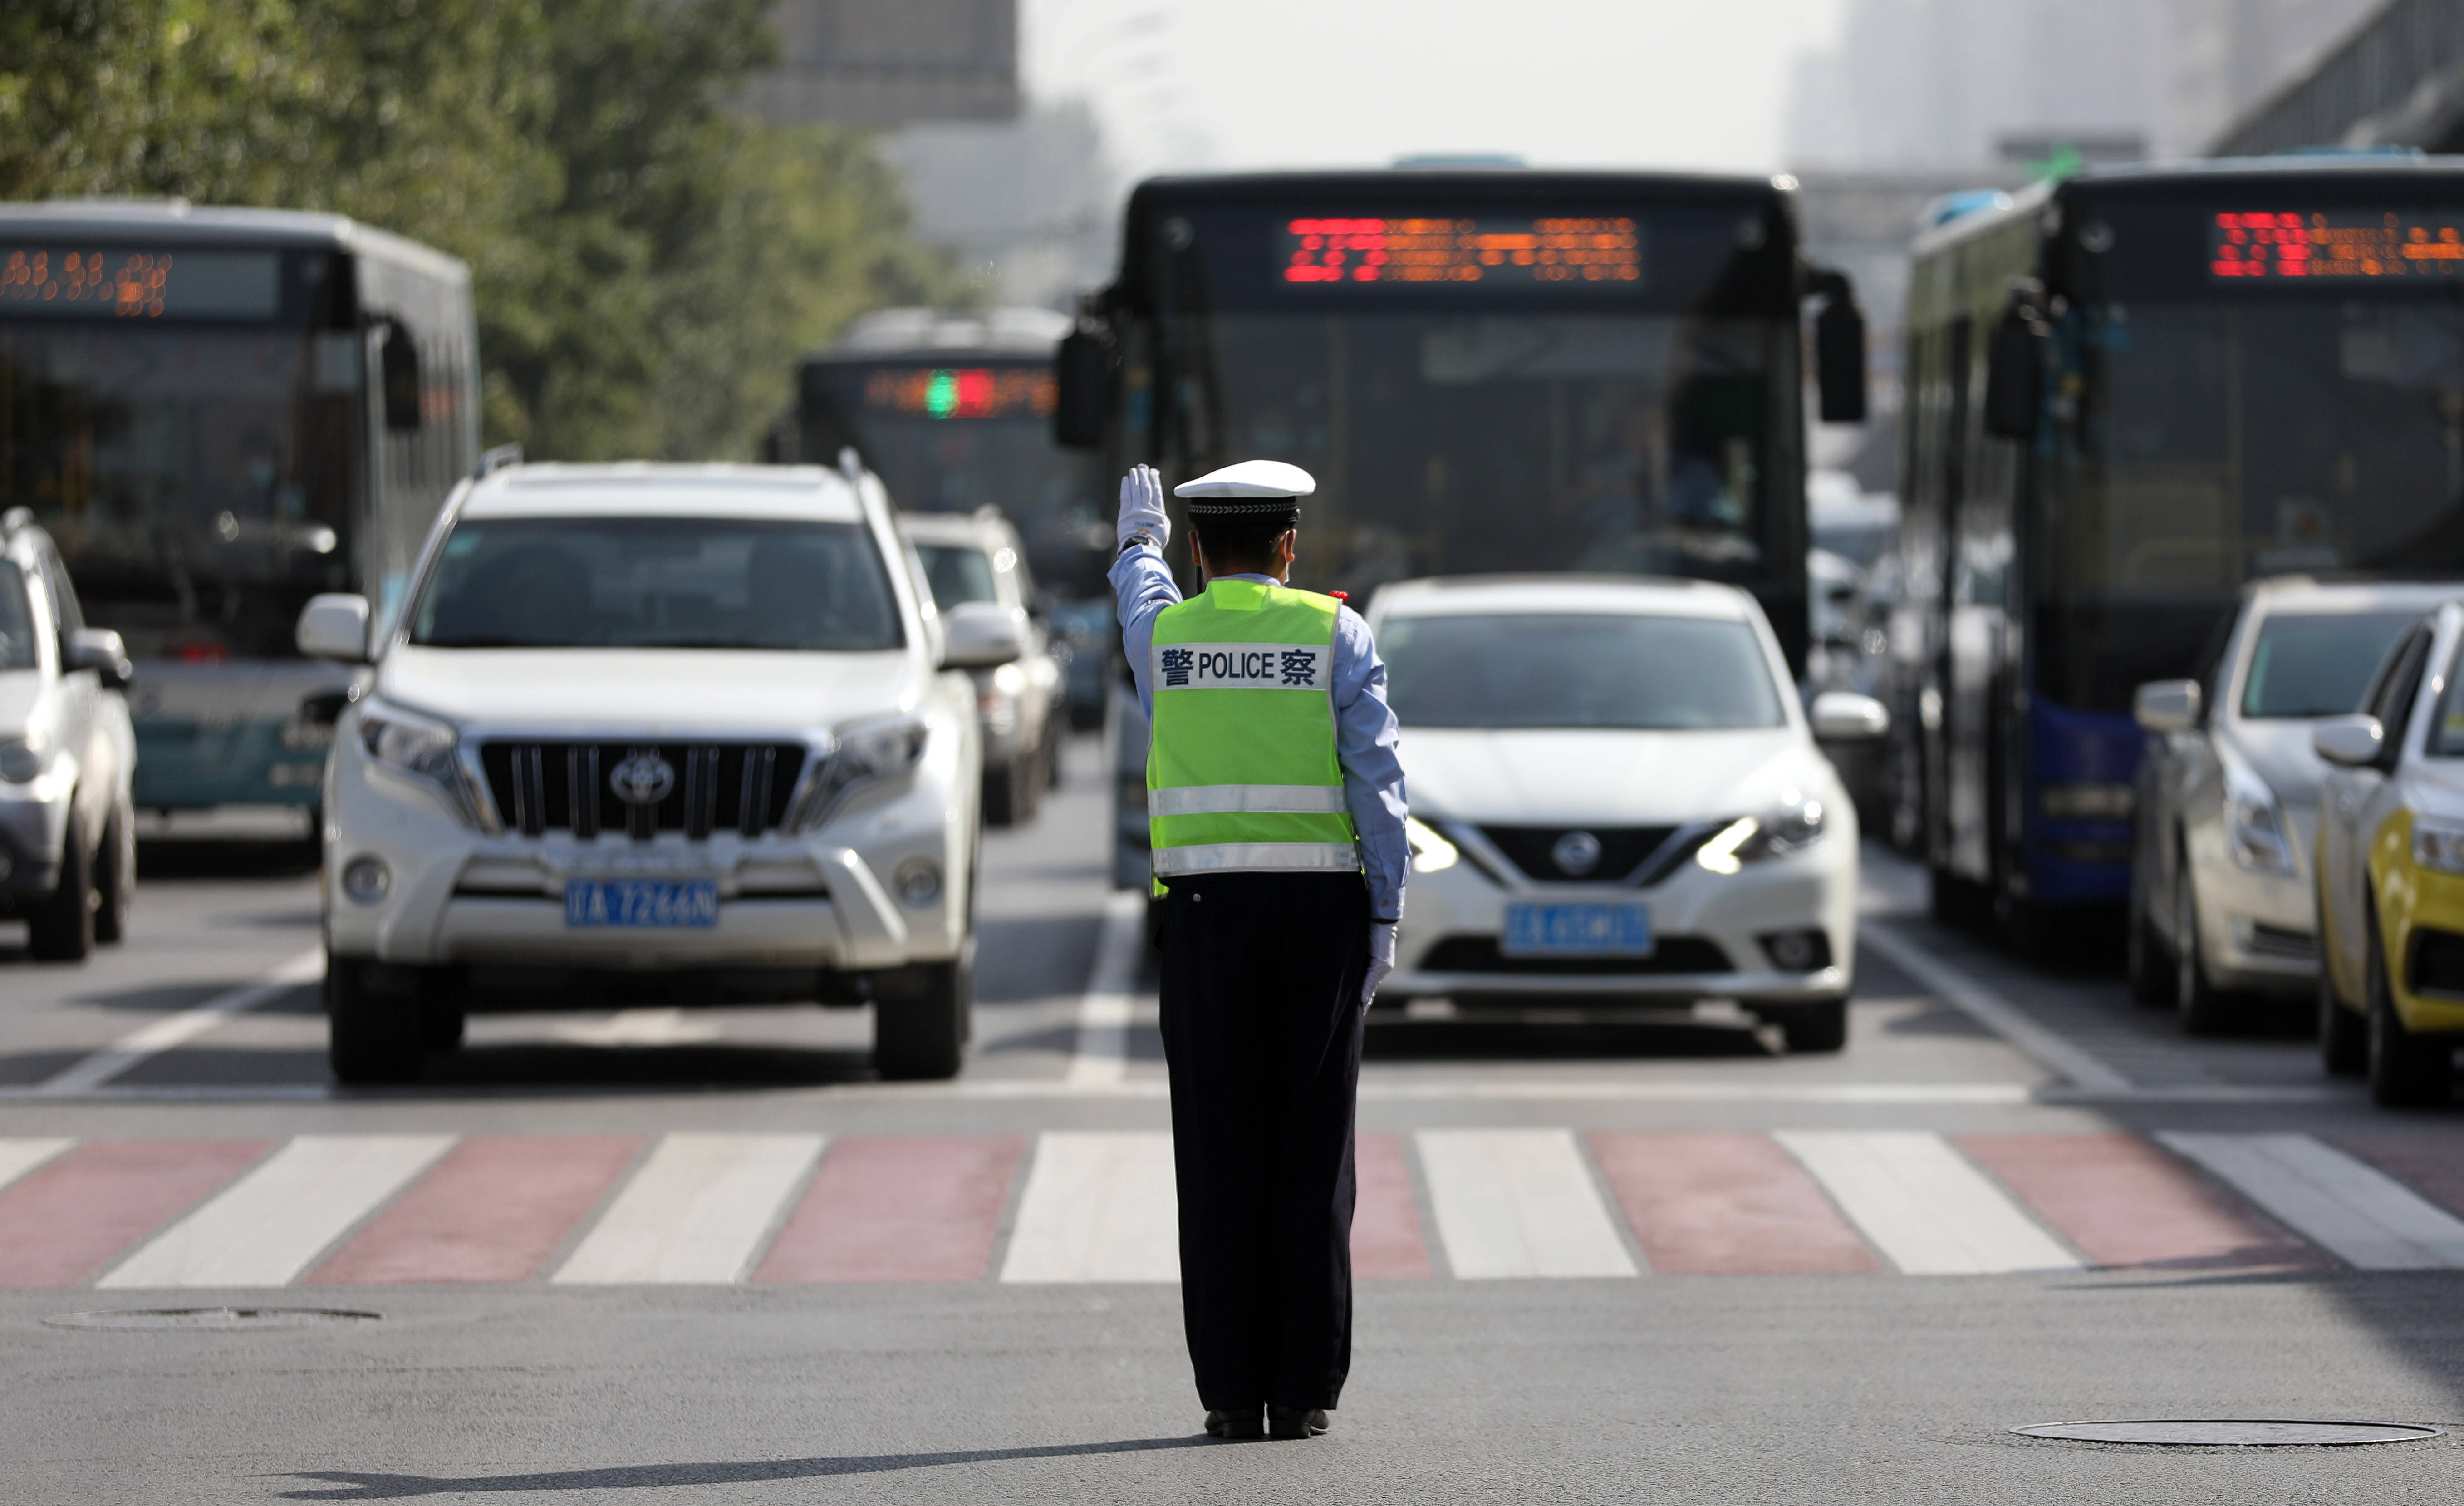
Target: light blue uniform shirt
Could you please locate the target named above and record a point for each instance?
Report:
(1364, 724)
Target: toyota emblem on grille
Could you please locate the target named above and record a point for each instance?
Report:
(643, 778)
(1576, 852)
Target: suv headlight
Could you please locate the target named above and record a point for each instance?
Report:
(422, 748)
(2254, 821)
(23, 759)
(867, 752)
(2438, 844)
(1794, 825)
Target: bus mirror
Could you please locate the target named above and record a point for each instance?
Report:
(2015, 375)
(2166, 706)
(334, 625)
(399, 363)
(1082, 372)
(1840, 358)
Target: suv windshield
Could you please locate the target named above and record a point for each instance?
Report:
(957, 573)
(16, 620)
(657, 583)
(2317, 664)
(1512, 670)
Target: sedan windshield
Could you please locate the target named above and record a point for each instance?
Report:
(657, 583)
(1594, 670)
(2317, 664)
(957, 574)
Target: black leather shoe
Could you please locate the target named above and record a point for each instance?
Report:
(1237, 1423)
(1295, 1421)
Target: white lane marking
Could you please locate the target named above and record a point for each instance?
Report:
(2355, 1211)
(1102, 1054)
(1923, 1205)
(19, 1156)
(638, 1028)
(89, 1072)
(698, 1211)
(1099, 1205)
(269, 1226)
(2043, 1046)
(1519, 1203)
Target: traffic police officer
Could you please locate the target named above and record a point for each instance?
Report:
(1275, 804)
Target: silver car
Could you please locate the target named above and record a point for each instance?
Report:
(2222, 900)
(68, 842)
(975, 564)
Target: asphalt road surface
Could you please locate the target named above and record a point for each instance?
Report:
(654, 1254)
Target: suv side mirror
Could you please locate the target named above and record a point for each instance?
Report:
(2014, 373)
(2352, 741)
(1840, 351)
(981, 635)
(2166, 706)
(1081, 373)
(334, 625)
(99, 650)
(1840, 716)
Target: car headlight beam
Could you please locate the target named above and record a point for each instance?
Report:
(1798, 823)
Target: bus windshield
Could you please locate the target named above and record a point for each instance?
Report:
(196, 482)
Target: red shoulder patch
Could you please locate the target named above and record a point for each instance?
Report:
(1341, 596)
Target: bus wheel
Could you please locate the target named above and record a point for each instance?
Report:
(2405, 1071)
(1958, 901)
(372, 1022)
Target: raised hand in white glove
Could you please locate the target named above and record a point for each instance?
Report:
(1381, 956)
(1142, 507)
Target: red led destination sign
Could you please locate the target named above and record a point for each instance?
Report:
(2340, 246)
(68, 283)
(1486, 252)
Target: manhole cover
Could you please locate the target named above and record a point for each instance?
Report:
(213, 1317)
(2216, 1432)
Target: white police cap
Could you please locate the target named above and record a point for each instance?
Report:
(1252, 486)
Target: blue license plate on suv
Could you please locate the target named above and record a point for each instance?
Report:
(664, 903)
(1577, 930)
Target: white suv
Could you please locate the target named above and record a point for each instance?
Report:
(696, 726)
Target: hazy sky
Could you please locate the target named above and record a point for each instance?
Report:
(1246, 84)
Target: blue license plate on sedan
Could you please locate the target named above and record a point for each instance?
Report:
(1577, 930)
(640, 903)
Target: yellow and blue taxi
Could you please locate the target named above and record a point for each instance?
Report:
(2390, 867)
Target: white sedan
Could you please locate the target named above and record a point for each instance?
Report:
(1616, 799)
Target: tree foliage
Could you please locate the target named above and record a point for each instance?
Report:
(647, 264)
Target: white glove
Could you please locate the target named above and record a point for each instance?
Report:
(1142, 507)
(1381, 956)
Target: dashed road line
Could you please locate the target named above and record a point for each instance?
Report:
(1101, 1056)
(82, 1077)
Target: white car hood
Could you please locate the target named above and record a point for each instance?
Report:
(1601, 777)
(648, 691)
(20, 692)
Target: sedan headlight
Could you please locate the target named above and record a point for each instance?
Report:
(1431, 853)
(2438, 844)
(23, 759)
(867, 753)
(1795, 825)
(2254, 822)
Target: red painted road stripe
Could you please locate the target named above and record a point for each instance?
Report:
(493, 1209)
(2124, 1202)
(2430, 1162)
(1385, 1221)
(64, 1221)
(898, 1208)
(1716, 1203)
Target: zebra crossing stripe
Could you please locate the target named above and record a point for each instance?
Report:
(1519, 1203)
(1099, 1205)
(2123, 1202)
(72, 1215)
(1724, 1203)
(696, 1212)
(1923, 1205)
(265, 1229)
(2356, 1212)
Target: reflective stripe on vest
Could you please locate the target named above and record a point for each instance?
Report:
(1242, 774)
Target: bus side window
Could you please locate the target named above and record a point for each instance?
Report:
(400, 361)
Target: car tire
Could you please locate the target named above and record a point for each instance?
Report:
(2405, 1071)
(373, 1034)
(61, 928)
(1809, 1028)
(115, 876)
(921, 1021)
(2203, 1009)
(1001, 794)
(444, 1009)
(2343, 1034)
(2150, 964)
(1056, 744)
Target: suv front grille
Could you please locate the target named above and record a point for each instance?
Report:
(1622, 850)
(732, 787)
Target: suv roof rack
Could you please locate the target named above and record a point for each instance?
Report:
(497, 459)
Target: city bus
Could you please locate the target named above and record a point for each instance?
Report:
(2128, 393)
(218, 414)
(1486, 371)
(954, 413)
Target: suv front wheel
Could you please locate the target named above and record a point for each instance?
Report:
(63, 929)
(372, 1022)
(922, 1016)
